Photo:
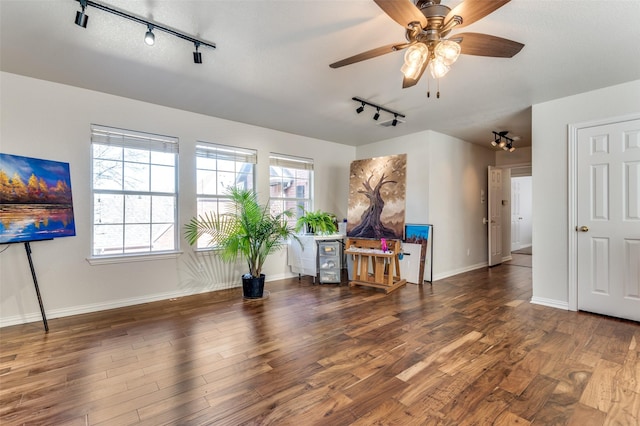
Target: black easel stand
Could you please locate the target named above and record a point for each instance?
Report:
(27, 247)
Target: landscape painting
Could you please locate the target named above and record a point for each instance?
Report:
(35, 199)
(422, 234)
(377, 197)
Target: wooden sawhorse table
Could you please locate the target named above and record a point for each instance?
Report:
(385, 265)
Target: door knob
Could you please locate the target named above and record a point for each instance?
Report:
(584, 229)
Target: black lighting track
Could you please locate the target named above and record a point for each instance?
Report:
(145, 22)
(381, 108)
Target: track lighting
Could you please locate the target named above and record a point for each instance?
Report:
(149, 37)
(197, 56)
(378, 108)
(501, 140)
(81, 18)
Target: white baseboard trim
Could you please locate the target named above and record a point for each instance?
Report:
(558, 304)
(447, 274)
(96, 307)
(507, 258)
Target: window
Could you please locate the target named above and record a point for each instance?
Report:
(134, 192)
(291, 183)
(219, 167)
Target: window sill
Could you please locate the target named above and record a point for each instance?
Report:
(126, 258)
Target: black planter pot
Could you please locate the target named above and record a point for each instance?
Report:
(253, 287)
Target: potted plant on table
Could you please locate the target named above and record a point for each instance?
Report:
(317, 222)
(247, 229)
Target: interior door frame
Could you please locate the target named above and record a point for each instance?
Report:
(572, 200)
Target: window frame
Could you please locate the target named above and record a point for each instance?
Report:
(297, 163)
(129, 139)
(216, 151)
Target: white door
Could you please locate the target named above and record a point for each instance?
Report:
(521, 212)
(515, 215)
(495, 216)
(608, 219)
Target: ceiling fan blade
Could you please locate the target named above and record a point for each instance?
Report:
(473, 10)
(402, 11)
(487, 45)
(410, 82)
(368, 55)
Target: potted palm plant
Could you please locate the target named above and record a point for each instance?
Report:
(317, 222)
(247, 229)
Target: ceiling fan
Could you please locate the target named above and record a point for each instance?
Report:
(427, 24)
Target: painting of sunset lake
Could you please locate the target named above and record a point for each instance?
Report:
(35, 199)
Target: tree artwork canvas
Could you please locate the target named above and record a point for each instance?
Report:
(35, 199)
(377, 197)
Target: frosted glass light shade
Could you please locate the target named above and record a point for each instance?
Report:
(448, 51)
(438, 68)
(414, 57)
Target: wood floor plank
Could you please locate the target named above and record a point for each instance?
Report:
(468, 349)
(602, 387)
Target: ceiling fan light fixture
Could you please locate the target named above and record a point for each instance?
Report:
(447, 51)
(414, 57)
(438, 69)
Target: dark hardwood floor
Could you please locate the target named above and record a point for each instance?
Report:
(469, 350)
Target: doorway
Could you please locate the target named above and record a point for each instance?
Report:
(521, 207)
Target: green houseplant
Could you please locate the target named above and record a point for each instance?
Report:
(317, 222)
(247, 229)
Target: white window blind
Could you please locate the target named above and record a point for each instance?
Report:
(288, 161)
(131, 139)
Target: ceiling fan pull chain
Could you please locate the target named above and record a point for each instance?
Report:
(428, 88)
(438, 94)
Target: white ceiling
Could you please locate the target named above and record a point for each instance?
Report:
(271, 67)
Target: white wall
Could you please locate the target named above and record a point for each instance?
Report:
(518, 157)
(52, 121)
(550, 184)
(444, 178)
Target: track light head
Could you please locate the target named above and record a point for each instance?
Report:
(149, 38)
(377, 114)
(197, 56)
(495, 142)
(394, 123)
(512, 148)
(360, 108)
(81, 18)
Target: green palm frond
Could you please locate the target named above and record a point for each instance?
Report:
(247, 229)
